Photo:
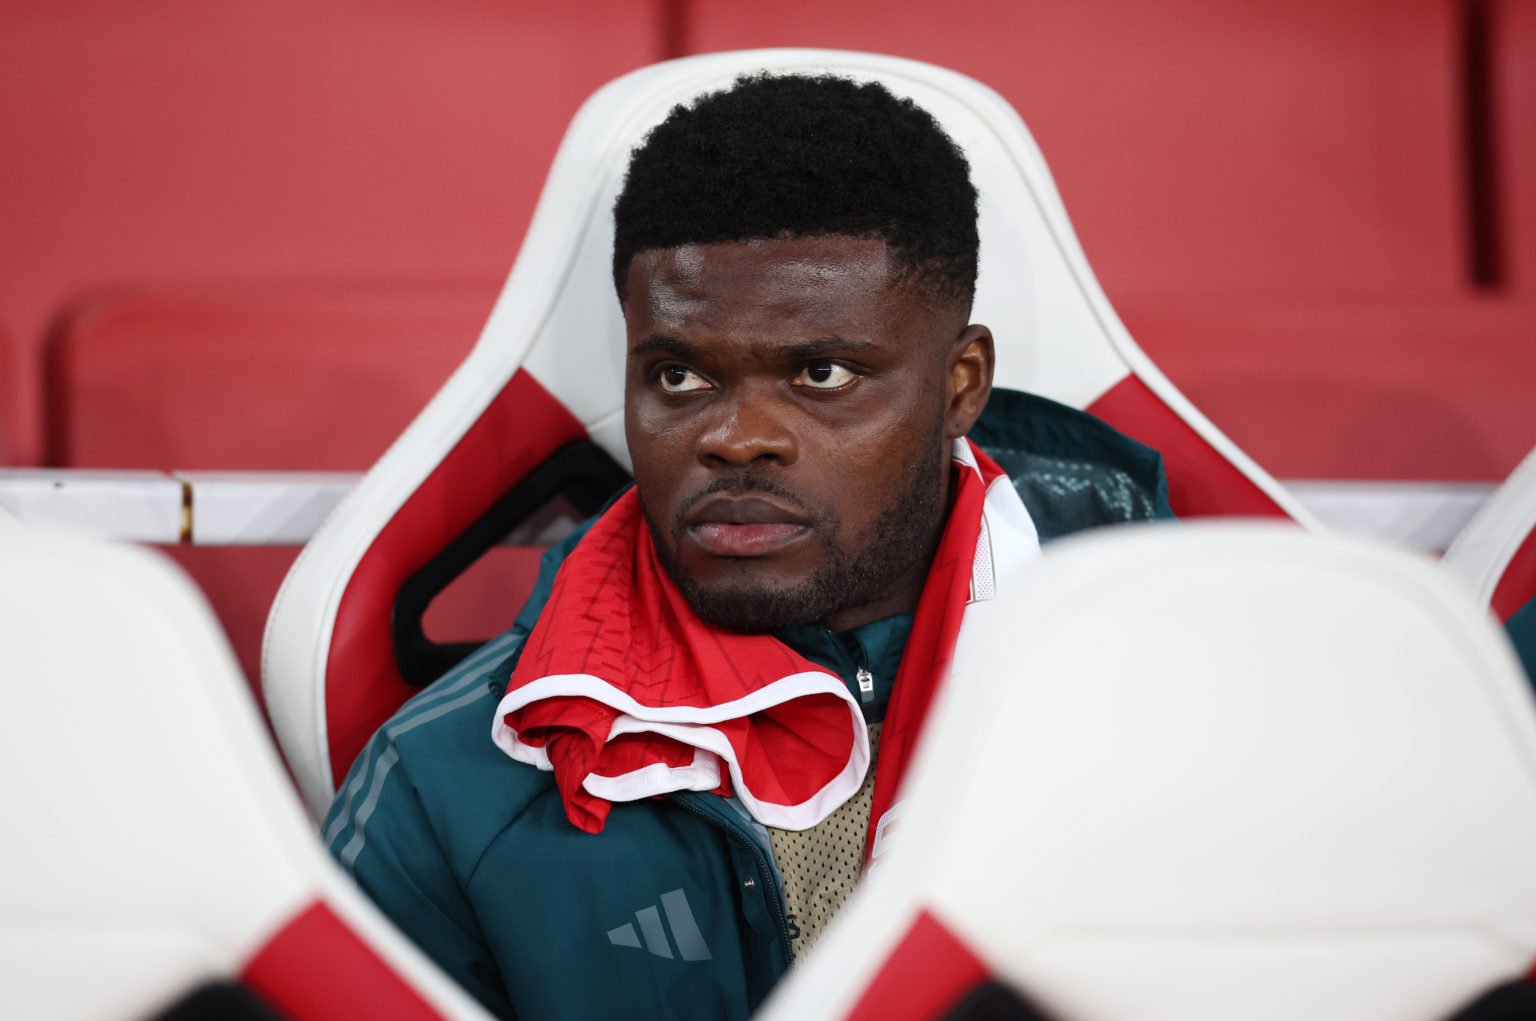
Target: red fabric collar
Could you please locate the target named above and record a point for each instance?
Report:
(624, 693)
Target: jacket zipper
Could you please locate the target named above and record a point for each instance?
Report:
(866, 685)
(765, 873)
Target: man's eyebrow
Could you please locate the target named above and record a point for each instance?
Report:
(660, 343)
(823, 346)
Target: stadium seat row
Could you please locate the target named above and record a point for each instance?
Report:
(1383, 874)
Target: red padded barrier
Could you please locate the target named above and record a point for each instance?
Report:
(521, 427)
(1512, 48)
(1517, 585)
(182, 140)
(1201, 482)
(295, 378)
(1203, 146)
(317, 969)
(1357, 390)
(289, 378)
(927, 972)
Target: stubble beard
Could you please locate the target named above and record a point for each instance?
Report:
(901, 538)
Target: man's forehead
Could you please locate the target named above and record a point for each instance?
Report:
(827, 258)
(780, 273)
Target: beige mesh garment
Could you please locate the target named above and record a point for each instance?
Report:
(821, 865)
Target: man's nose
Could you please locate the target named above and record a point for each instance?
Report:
(746, 428)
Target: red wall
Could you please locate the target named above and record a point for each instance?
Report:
(176, 141)
(1276, 196)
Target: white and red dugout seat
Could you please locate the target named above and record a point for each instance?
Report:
(547, 373)
(1202, 773)
(1495, 554)
(153, 846)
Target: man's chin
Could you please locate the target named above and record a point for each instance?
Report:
(753, 608)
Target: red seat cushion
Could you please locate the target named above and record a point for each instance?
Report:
(316, 968)
(1517, 585)
(519, 429)
(1201, 481)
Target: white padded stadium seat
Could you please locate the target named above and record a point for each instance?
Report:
(1495, 554)
(152, 843)
(1208, 772)
(548, 372)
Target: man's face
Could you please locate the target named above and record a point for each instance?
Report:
(788, 413)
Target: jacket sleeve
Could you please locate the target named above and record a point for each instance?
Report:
(1522, 632)
(378, 832)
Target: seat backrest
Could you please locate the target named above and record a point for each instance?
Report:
(548, 370)
(295, 377)
(1495, 554)
(1201, 772)
(153, 844)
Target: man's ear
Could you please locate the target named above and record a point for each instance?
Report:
(970, 379)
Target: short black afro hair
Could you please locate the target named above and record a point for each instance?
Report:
(800, 155)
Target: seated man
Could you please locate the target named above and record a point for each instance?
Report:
(647, 797)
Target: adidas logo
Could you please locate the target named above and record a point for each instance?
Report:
(685, 931)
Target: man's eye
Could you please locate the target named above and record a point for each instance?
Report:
(824, 376)
(677, 380)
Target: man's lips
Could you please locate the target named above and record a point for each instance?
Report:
(750, 526)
